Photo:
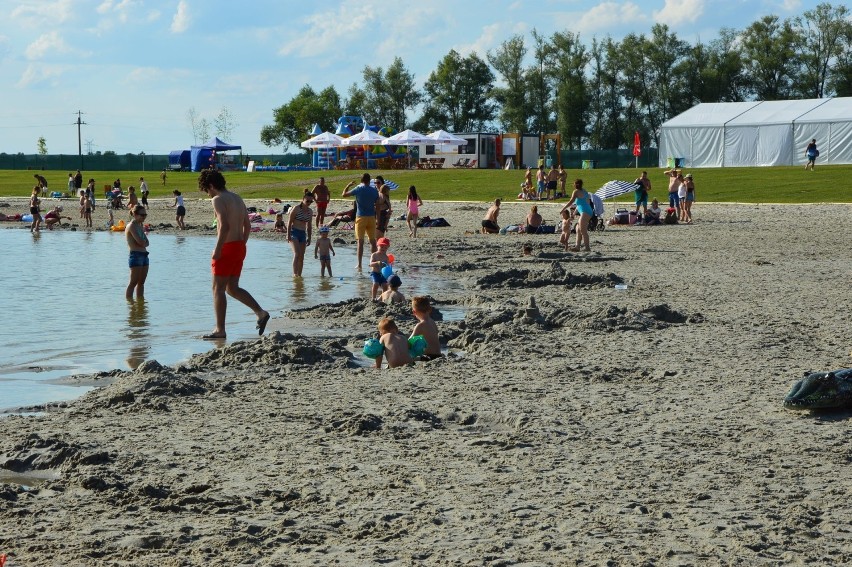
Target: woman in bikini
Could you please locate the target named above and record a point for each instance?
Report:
(414, 202)
(299, 231)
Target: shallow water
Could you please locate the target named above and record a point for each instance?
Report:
(62, 294)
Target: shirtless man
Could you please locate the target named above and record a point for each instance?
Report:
(552, 179)
(489, 223)
(321, 197)
(233, 229)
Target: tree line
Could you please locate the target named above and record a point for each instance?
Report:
(595, 96)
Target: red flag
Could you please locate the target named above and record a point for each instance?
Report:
(637, 150)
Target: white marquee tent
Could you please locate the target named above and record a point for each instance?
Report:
(744, 134)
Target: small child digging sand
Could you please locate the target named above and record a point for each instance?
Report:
(393, 295)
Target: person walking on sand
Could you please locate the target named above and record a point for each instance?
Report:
(299, 227)
(232, 232)
(132, 200)
(143, 190)
(365, 215)
(322, 196)
(585, 209)
(42, 184)
(413, 204)
(138, 261)
(180, 210)
(811, 152)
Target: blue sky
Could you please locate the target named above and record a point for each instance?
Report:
(135, 67)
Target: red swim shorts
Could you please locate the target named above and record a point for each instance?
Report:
(322, 206)
(230, 261)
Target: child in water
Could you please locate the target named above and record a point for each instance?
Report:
(324, 250)
(378, 260)
(393, 295)
(395, 345)
(426, 326)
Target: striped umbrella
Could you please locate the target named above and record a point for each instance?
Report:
(391, 185)
(612, 189)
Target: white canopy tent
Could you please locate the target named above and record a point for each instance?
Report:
(746, 134)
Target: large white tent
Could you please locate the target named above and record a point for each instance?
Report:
(743, 134)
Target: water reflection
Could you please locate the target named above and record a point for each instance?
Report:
(299, 293)
(138, 336)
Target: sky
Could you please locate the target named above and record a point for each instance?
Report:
(135, 68)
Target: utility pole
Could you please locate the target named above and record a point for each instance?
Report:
(79, 139)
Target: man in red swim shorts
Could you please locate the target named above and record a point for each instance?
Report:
(233, 230)
(321, 197)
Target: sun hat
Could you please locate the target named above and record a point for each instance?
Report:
(688, 176)
(383, 242)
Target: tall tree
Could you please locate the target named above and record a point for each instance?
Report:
(568, 60)
(820, 35)
(386, 96)
(769, 51)
(225, 124)
(512, 100)
(840, 79)
(723, 78)
(41, 144)
(538, 82)
(293, 121)
(605, 92)
(458, 94)
(666, 68)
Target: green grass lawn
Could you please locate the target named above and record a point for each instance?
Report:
(750, 185)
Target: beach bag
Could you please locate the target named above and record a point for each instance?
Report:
(622, 216)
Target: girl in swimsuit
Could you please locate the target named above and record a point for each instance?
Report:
(383, 208)
(585, 209)
(299, 231)
(34, 209)
(413, 205)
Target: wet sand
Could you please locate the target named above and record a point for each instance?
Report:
(623, 427)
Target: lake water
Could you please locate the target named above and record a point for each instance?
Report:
(62, 297)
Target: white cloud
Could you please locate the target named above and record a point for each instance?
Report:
(491, 36)
(43, 12)
(46, 44)
(181, 20)
(122, 10)
(676, 12)
(40, 74)
(324, 31)
(791, 5)
(606, 16)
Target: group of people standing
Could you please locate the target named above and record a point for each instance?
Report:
(546, 184)
(681, 193)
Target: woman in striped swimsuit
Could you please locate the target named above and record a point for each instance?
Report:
(299, 231)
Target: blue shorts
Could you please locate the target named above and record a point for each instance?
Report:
(690, 197)
(641, 199)
(326, 258)
(674, 200)
(378, 278)
(541, 186)
(300, 236)
(138, 259)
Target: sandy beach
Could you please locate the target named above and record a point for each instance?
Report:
(638, 426)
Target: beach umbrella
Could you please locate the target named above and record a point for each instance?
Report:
(444, 137)
(612, 189)
(315, 130)
(390, 184)
(408, 138)
(325, 140)
(365, 138)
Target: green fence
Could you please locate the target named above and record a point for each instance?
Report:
(71, 163)
(599, 159)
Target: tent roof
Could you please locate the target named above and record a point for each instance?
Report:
(833, 110)
(777, 112)
(710, 114)
(218, 145)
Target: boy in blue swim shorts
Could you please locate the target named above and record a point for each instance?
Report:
(378, 260)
